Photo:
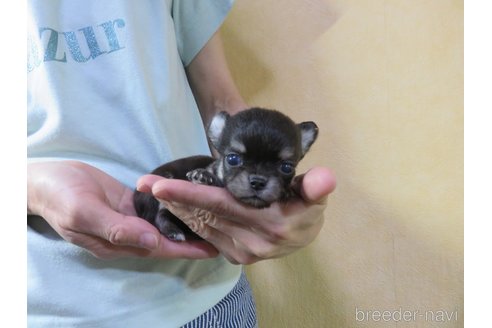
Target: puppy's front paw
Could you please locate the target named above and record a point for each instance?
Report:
(175, 235)
(168, 225)
(202, 176)
(171, 230)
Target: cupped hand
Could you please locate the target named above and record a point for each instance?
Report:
(89, 208)
(241, 233)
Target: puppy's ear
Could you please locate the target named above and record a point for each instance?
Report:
(216, 128)
(309, 133)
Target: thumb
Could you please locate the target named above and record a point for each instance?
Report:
(315, 185)
(120, 229)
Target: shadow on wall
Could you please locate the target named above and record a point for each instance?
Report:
(251, 74)
(252, 68)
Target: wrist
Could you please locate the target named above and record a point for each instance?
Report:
(33, 200)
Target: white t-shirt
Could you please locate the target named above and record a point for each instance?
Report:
(107, 86)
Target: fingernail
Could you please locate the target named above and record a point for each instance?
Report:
(142, 187)
(148, 240)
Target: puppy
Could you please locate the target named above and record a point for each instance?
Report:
(258, 150)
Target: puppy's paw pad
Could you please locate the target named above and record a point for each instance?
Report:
(175, 235)
(164, 221)
(201, 176)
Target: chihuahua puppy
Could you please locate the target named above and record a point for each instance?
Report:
(258, 150)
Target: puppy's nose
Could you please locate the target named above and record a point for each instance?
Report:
(257, 182)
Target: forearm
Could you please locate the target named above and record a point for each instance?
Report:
(32, 199)
(212, 83)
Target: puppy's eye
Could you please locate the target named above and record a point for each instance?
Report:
(234, 160)
(286, 168)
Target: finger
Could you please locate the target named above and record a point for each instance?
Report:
(217, 232)
(268, 241)
(169, 250)
(103, 249)
(119, 235)
(121, 230)
(250, 244)
(145, 183)
(98, 219)
(231, 248)
(314, 188)
(315, 185)
(127, 230)
(182, 197)
(213, 199)
(243, 243)
(196, 249)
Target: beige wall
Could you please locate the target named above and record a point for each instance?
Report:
(384, 82)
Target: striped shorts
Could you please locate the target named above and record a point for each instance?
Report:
(236, 310)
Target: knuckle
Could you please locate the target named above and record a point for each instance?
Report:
(249, 255)
(247, 259)
(200, 220)
(264, 252)
(206, 217)
(198, 227)
(280, 233)
(244, 256)
(82, 241)
(116, 234)
(73, 220)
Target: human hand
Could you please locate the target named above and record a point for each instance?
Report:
(89, 208)
(241, 233)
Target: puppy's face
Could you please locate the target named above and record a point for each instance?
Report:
(259, 151)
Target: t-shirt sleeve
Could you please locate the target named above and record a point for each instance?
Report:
(195, 22)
